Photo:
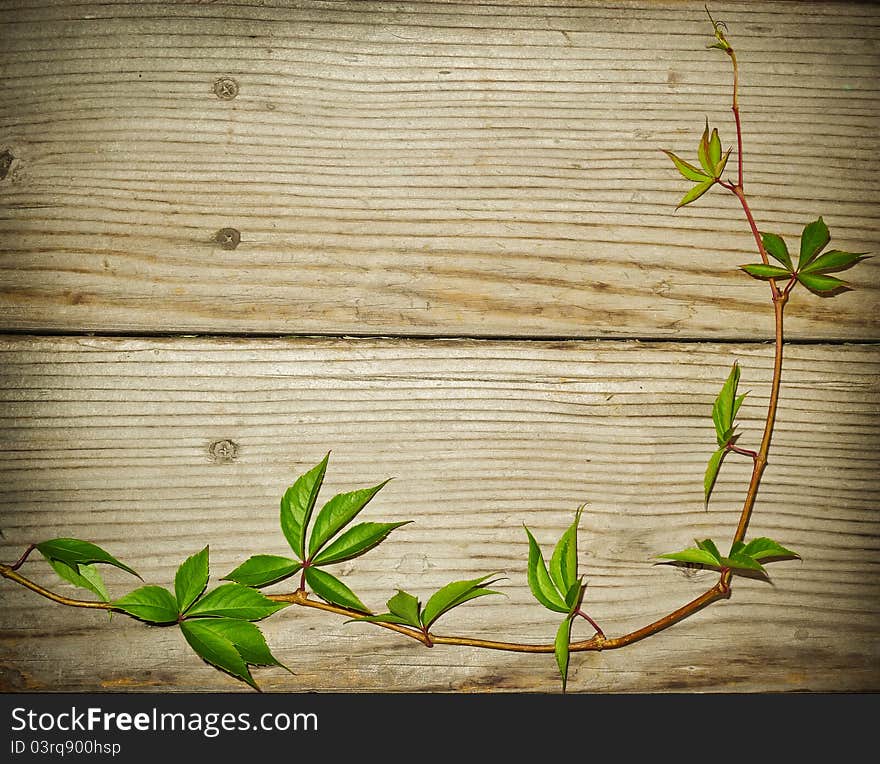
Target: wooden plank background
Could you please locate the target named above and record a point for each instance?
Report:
(459, 266)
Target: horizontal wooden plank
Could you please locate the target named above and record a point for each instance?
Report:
(154, 447)
(428, 168)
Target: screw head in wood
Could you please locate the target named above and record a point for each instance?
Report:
(223, 450)
(228, 238)
(225, 88)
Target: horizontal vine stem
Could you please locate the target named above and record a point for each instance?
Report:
(721, 590)
(7, 571)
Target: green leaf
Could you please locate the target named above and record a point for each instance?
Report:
(574, 595)
(539, 579)
(724, 406)
(405, 606)
(719, 168)
(235, 600)
(816, 282)
(355, 541)
(712, 472)
(834, 260)
(191, 579)
(245, 636)
(452, 595)
(696, 192)
(694, 556)
(707, 545)
(74, 552)
(563, 563)
(763, 548)
(703, 152)
(263, 569)
(149, 603)
(761, 271)
(337, 513)
(217, 649)
(561, 648)
(775, 247)
(84, 576)
(813, 240)
(687, 170)
(715, 151)
(743, 562)
(297, 505)
(332, 590)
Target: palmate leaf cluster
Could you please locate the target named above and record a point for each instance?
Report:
(813, 265)
(217, 624)
(325, 543)
(712, 164)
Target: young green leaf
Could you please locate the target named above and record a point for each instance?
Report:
(355, 541)
(696, 192)
(775, 247)
(540, 583)
(726, 406)
(761, 271)
(742, 561)
(722, 163)
(245, 636)
(452, 595)
(834, 260)
(234, 600)
(712, 472)
(715, 152)
(707, 545)
(814, 238)
(332, 590)
(563, 563)
(74, 552)
(337, 513)
(84, 576)
(816, 282)
(574, 595)
(407, 607)
(297, 505)
(698, 556)
(561, 648)
(263, 569)
(703, 152)
(149, 603)
(217, 649)
(191, 579)
(687, 170)
(763, 548)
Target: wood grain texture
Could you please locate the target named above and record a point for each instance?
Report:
(426, 168)
(110, 440)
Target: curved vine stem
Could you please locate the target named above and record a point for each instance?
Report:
(721, 589)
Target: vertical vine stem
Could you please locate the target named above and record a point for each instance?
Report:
(780, 298)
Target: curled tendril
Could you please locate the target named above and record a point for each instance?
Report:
(718, 26)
